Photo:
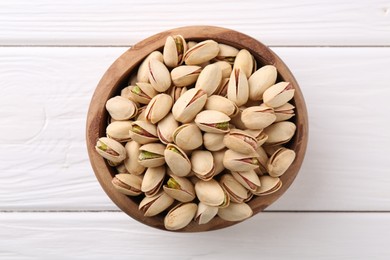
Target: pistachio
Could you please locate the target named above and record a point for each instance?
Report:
(128, 184)
(213, 142)
(212, 121)
(126, 93)
(180, 216)
(177, 160)
(142, 92)
(226, 53)
(159, 75)
(280, 161)
(222, 104)
(261, 80)
(235, 212)
(176, 92)
(218, 161)
(223, 87)
(191, 44)
(180, 188)
(268, 186)
(121, 108)
(245, 62)
(188, 137)
(121, 168)
(158, 108)
(143, 132)
(151, 155)
(235, 161)
(259, 135)
(225, 68)
(280, 133)
(166, 127)
(143, 70)
(189, 105)
(201, 52)
(258, 117)
(211, 193)
(153, 180)
(278, 94)
(236, 192)
(205, 213)
(110, 149)
(119, 131)
(248, 179)
(238, 90)
(263, 159)
(174, 49)
(131, 161)
(240, 141)
(284, 112)
(237, 120)
(185, 75)
(209, 79)
(203, 164)
(156, 204)
(141, 114)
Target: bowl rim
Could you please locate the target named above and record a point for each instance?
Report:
(113, 79)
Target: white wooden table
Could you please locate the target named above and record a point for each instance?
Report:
(53, 53)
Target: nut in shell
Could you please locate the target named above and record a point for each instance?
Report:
(180, 216)
(261, 80)
(280, 161)
(185, 75)
(166, 127)
(177, 160)
(159, 75)
(280, 133)
(119, 131)
(235, 212)
(258, 117)
(239, 162)
(180, 188)
(211, 193)
(153, 180)
(268, 186)
(174, 49)
(156, 204)
(158, 108)
(240, 141)
(189, 105)
(212, 121)
(121, 108)
(143, 132)
(238, 89)
(131, 162)
(143, 70)
(110, 149)
(236, 192)
(201, 52)
(188, 137)
(278, 94)
(128, 184)
(203, 164)
(151, 155)
(205, 213)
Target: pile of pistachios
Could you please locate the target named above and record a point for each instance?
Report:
(199, 131)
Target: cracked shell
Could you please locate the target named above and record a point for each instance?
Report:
(180, 216)
(201, 52)
(212, 121)
(189, 105)
(240, 141)
(159, 75)
(236, 192)
(218, 161)
(261, 80)
(209, 79)
(258, 117)
(153, 180)
(245, 62)
(142, 92)
(260, 136)
(225, 68)
(158, 108)
(213, 142)
(268, 186)
(239, 162)
(180, 188)
(177, 160)
(278, 94)
(238, 89)
(128, 184)
(222, 104)
(235, 212)
(226, 53)
(143, 132)
(185, 75)
(248, 179)
(280, 133)
(280, 161)
(211, 193)
(111, 150)
(188, 137)
(156, 204)
(284, 112)
(143, 70)
(119, 131)
(205, 213)
(121, 108)
(166, 127)
(203, 164)
(174, 49)
(151, 155)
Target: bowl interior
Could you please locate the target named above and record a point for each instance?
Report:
(116, 78)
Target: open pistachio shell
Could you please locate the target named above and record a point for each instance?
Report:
(142, 92)
(212, 121)
(245, 62)
(237, 121)
(126, 93)
(203, 164)
(128, 184)
(218, 161)
(189, 105)
(143, 132)
(201, 52)
(226, 53)
(180, 216)
(205, 213)
(213, 142)
(258, 117)
(119, 131)
(261, 80)
(158, 108)
(174, 49)
(240, 141)
(284, 112)
(131, 161)
(110, 149)
(263, 159)
(153, 180)
(211, 193)
(159, 75)
(141, 114)
(280, 132)
(278, 94)
(268, 186)
(121, 108)
(176, 92)
(180, 188)
(166, 127)
(222, 104)
(177, 160)
(280, 161)
(223, 87)
(235, 212)
(260, 136)
(151, 155)
(143, 70)
(225, 68)
(185, 75)
(188, 137)
(236, 192)
(156, 204)
(238, 89)
(235, 161)
(209, 79)
(248, 179)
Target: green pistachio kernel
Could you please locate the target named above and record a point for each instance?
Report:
(102, 146)
(222, 126)
(136, 90)
(172, 183)
(144, 155)
(173, 149)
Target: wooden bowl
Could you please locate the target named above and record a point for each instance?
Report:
(116, 78)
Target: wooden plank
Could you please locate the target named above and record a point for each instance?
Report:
(271, 235)
(121, 22)
(45, 94)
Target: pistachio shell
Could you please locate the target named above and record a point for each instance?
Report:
(268, 186)
(121, 168)
(176, 92)
(126, 93)
(248, 179)
(236, 192)
(222, 104)
(237, 121)
(260, 136)
(166, 127)
(226, 53)
(141, 114)
(284, 112)
(225, 68)
(203, 164)
(280, 161)
(238, 89)
(258, 117)
(271, 149)
(158, 108)
(153, 180)
(212, 121)
(121, 108)
(191, 44)
(143, 132)
(131, 161)
(185, 75)
(151, 155)
(261, 80)
(180, 188)
(278, 94)
(143, 70)
(245, 62)
(240, 141)
(128, 184)
(180, 216)
(188, 137)
(235, 161)
(263, 159)
(211, 193)
(201, 52)
(209, 79)
(142, 92)
(205, 213)
(110, 149)
(156, 204)
(159, 75)
(174, 49)
(177, 160)
(189, 105)
(218, 161)
(235, 212)
(280, 132)
(213, 142)
(119, 130)
(223, 87)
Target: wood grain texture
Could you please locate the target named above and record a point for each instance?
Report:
(44, 163)
(120, 22)
(271, 235)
